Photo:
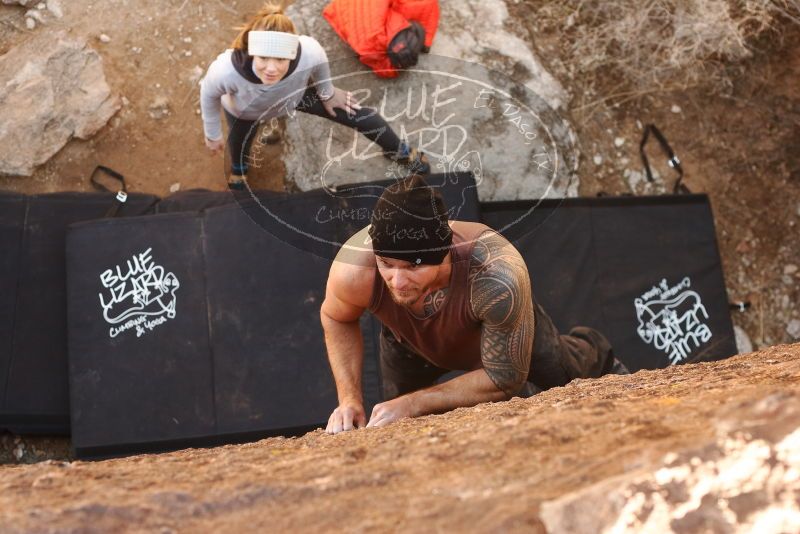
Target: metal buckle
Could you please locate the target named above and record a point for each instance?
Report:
(122, 196)
(740, 306)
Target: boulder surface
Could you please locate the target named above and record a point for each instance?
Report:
(52, 88)
(479, 101)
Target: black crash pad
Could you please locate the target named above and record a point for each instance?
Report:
(33, 323)
(645, 271)
(199, 328)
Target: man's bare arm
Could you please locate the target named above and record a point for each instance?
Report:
(501, 298)
(345, 348)
(346, 296)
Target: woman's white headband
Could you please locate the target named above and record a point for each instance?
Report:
(272, 44)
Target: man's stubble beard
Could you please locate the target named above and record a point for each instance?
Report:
(406, 302)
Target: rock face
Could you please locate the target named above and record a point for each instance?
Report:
(479, 101)
(745, 481)
(52, 88)
(707, 447)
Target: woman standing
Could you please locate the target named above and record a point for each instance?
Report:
(269, 72)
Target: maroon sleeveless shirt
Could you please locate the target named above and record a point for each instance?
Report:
(451, 337)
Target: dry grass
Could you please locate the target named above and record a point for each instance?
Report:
(658, 45)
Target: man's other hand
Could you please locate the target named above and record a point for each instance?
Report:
(391, 411)
(347, 416)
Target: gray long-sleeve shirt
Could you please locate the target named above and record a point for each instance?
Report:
(223, 85)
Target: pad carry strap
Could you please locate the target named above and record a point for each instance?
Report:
(122, 195)
(673, 160)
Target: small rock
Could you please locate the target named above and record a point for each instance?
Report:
(125, 101)
(187, 53)
(675, 108)
(174, 188)
(159, 108)
(196, 74)
(619, 141)
(743, 343)
(36, 15)
(136, 49)
(187, 39)
(41, 5)
(54, 7)
(786, 279)
(104, 38)
(789, 268)
(624, 161)
(793, 328)
(598, 159)
(19, 452)
(30, 23)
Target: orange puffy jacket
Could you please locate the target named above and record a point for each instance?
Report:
(369, 25)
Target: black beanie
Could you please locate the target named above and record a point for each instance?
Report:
(409, 223)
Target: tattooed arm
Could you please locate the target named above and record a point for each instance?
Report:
(500, 296)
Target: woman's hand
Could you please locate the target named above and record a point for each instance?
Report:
(215, 146)
(343, 100)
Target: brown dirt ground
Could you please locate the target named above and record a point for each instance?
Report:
(742, 149)
(486, 468)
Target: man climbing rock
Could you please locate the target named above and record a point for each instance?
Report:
(450, 295)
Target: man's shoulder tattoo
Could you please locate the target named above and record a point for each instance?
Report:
(498, 279)
(500, 296)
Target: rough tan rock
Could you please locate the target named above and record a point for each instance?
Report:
(746, 480)
(52, 88)
(490, 468)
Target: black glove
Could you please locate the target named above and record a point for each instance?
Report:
(405, 47)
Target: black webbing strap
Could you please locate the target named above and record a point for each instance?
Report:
(673, 160)
(122, 195)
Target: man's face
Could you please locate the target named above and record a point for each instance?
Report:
(406, 281)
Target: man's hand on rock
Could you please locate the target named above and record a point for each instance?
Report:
(347, 416)
(391, 411)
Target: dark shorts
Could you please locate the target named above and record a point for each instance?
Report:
(556, 360)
